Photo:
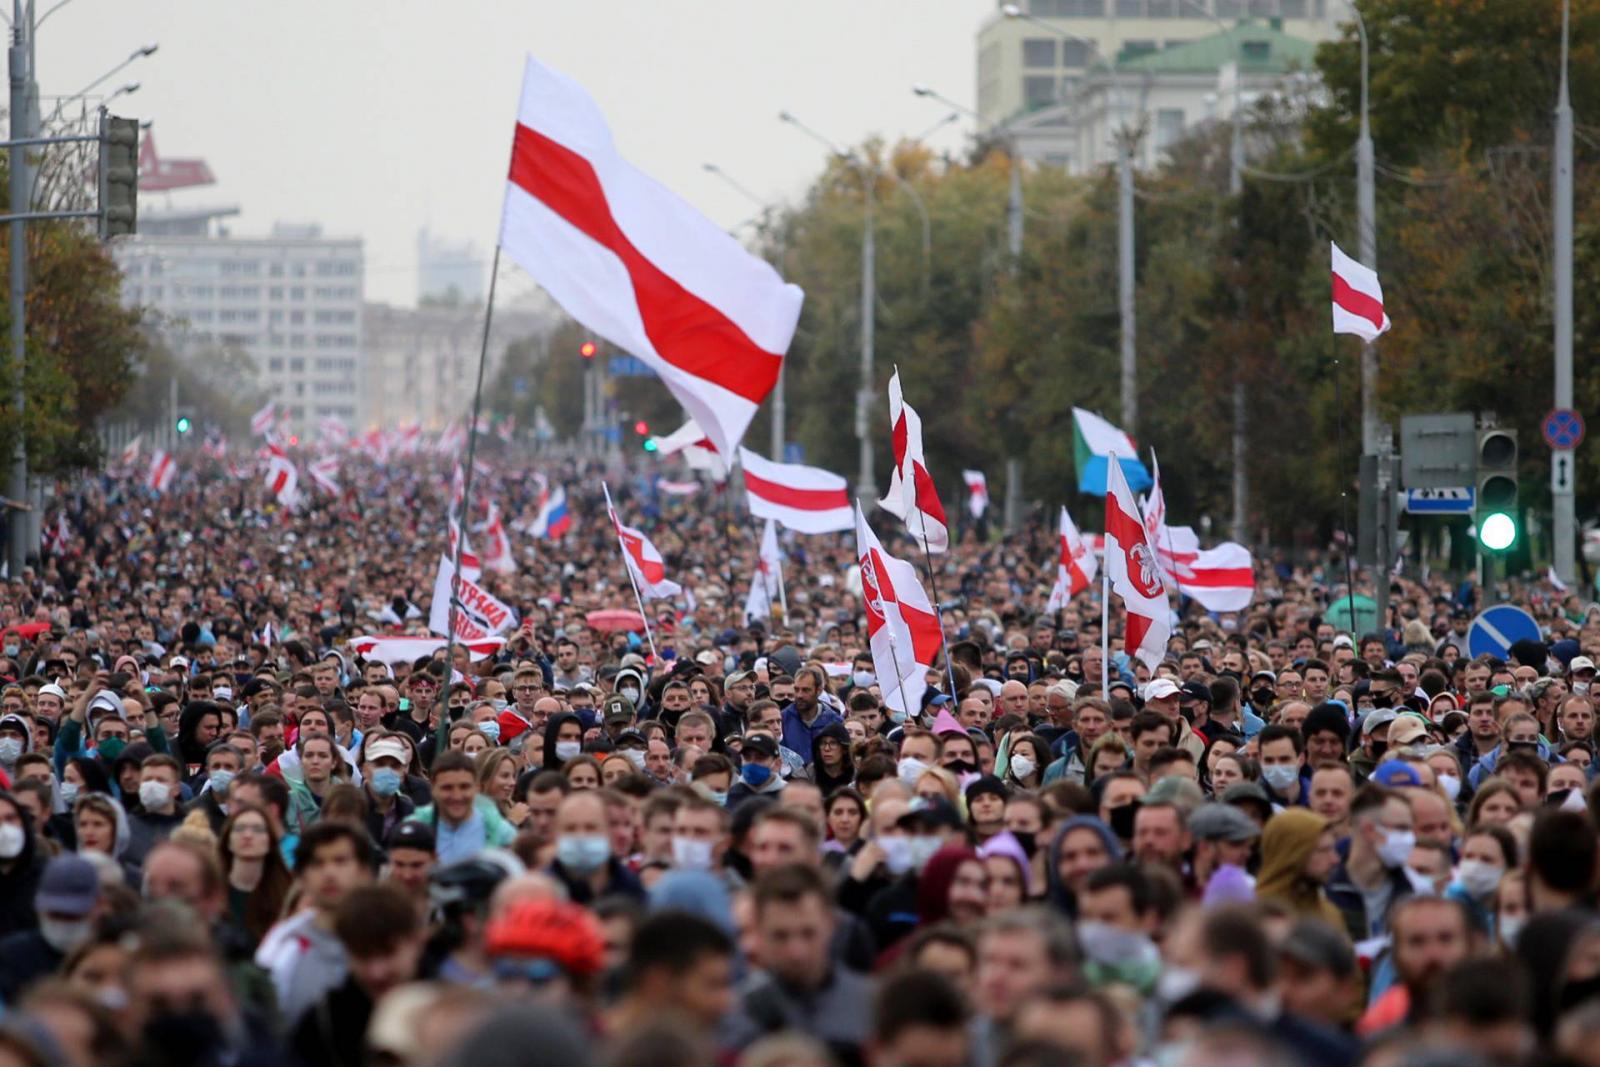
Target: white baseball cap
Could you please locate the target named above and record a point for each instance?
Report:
(388, 747)
(53, 690)
(1160, 689)
(1580, 663)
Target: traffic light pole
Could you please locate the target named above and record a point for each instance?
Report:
(1563, 504)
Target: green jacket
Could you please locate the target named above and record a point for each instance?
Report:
(497, 832)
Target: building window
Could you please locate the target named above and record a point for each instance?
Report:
(1256, 51)
(297, 293)
(1293, 9)
(1130, 9)
(1169, 127)
(297, 318)
(1161, 9)
(275, 293)
(1075, 53)
(1038, 91)
(276, 270)
(1038, 52)
(275, 366)
(297, 365)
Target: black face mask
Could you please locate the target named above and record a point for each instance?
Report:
(1263, 698)
(1028, 840)
(186, 1037)
(1122, 820)
(961, 766)
(1379, 748)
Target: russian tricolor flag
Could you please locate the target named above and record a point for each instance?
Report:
(553, 520)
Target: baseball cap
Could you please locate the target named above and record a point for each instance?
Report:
(761, 744)
(930, 813)
(1161, 689)
(708, 658)
(412, 834)
(1271, 676)
(986, 783)
(388, 747)
(51, 689)
(1222, 822)
(69, 886)
(1195, 691)
(1343, 641)
(1393, 773)
(1406, 729)
(1377, 718)
(617, 708)
(1245, 791)
(1580, 663)
(109, 701)
(632, 737)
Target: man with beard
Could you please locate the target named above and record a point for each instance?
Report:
(1429, 936)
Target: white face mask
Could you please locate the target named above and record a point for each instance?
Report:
(12, 838)
(1022, 766)
(1176, 983)
(1509, 927)
(691, 854)
(896, 854)
(632, 694)
(634, 756)
(153, 795)
(1451, 786)
(566, 750)
(1479, 878)
(910, 769)
(64, 935)
(1395, 848)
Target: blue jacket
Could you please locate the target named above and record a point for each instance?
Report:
(798, 736)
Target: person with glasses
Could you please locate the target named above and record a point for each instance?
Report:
(527, 687)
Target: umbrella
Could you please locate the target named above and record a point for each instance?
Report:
(1366, 614)
(612, 620)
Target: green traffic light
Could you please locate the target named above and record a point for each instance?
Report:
(1497, 532)
(184, 425)
(649, 446)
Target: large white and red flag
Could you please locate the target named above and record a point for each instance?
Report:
(283, 478)
(1357, 298)
(1218, 579)
(644, 562)
(325, 474)
(698, 452)
(163, 468)
(1076, 566)
(496, 551)
(405, 648)
(1134, 573)
(903, 629)
(639, 266)
(261, 422)
(805, 499)
(130, 451)
(912, 495)
(977, 493)
(471, 564)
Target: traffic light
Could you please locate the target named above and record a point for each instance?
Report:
(1497, 489)
(641, 427)
(649, 444)
(119, 176)
(183, 425)
(588, 349)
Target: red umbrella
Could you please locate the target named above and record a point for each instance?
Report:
(615, 619)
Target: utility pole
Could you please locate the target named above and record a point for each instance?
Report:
(866, 481)
(1014, 206)
(1367, 248)
(1241, 414)
(21, 183)
(1125, 296)
(1564, 532)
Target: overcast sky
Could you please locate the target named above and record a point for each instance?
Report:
(377, 117)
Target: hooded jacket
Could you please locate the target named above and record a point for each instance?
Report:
(847, 771)
(933, 888)
(1056, 890)
(1289, 839)
(552, 728)
(19, 878)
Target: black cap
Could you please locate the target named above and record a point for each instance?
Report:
(986, 783)
(760, 744)
(933, 813)
(413, 835)
(1194, 691)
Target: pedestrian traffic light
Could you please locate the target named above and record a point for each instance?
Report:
(119, 176)
(650, 444)
(1496, 502)
(183, 424)
(587, 349)
(641, 427)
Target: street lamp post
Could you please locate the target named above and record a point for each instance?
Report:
(1563, 506)
(866, 480)
(1014, 195)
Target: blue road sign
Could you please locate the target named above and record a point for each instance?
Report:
(1496, 629)
(1563, 429)
(1454, 501)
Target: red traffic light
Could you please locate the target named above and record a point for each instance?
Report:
(641, 427)
(587, 350)
(294, 440)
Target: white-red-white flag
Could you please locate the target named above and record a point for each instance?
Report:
(1076, 566)
(130, 451)
(912, 495)
(903, 630)
(644, 562)
(1357, 298)
(496, 544)
(639, 266)
(406, 648)
(765, 584)
(262, 420)
(479, 613)
(977, 493)
(163, 468)
(806, 499)
(471, 565)
(690, 441)
(283, 478)
(1134, 573)
(325, 474)
(1218, 579)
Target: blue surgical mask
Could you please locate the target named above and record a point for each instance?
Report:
(721, 799)
(220, 780)
(754, 775)
(1281, 776)
(386, 781)
(583, 853)
(490, 729)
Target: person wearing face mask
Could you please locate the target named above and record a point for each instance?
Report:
(584, 862)
(563, 740)
(158, 813)
(927, 826)
(1373, 876)
(759, 770)
(629, 683)
(21, 866)
(67, 902)
(1487, 853)
(384, 779)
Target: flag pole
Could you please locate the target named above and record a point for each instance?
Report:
(938, 604)
(1105, 599)
(627, 565)
(783, 593)
(1344, 500)
(466, 488)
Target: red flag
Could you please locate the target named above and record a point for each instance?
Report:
(912, 495)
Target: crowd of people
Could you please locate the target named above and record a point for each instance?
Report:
(227, 837)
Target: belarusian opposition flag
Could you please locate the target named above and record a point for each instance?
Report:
(637, 265)
(696, 447)
(912, 495)
(1357, 298)
(645, 565)
(765, 584)
(1134, 574)
(408, 649)
(807, 499)
(1093, 440)
(977, 493)
(1076, 566)
(903, 628)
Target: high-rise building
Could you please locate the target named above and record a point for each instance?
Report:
(1024, 67)
(291, 301)
(450, 272)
